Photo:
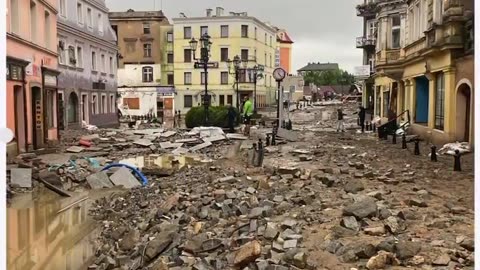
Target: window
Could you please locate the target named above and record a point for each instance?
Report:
(222, 100)
(89, 17)
(170, 58)
(242, 76)
(371, 28)
(104, 104)
(255, 33)
(62, 8)
(440, 101)
(378, 101)
(169, 37)
(203, 30)
(223, 54)
(51, 108)
(386, 99)
(244, 55)
(438, 11)
(187, 78)
(224, 77)
(14, 17)
(112, 104)
(187, 32)
(396, 32)
(265, 38)
(94, 104)
(224, 31)
(33, 21)
(48, 39)
(79, 56)
(147, 50)
(61, 53)
(245, 31)
(72, 61)
(371, 62)
(111, 65)
(170, 79)
(79, 13)
(187, 55)
(147, 74)
(230, 99)
(265, 59)
(94, 61)
(187, 101)
(102, 63)
(271, 41)
(271, 61)
(100, 23)
(202, 78)
(146, 28)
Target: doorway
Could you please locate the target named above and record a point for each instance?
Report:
(422, 100)
(84, 108)
(72, 107)
(463, 113)
(37, 118)
(20, 128)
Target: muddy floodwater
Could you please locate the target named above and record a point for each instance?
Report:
(45, 232)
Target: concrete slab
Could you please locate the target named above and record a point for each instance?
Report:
(232, 136)
(21, 177)
(148, 131)
(186, 140)
(287, 134)
(168, 134)
(99, 180)
(215, 138)
(180, 151)
(169, 145)
(90, 137)
(75, 149)
(123, 177)
(143, 142)
(200, 146)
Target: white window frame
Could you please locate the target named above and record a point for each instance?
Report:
(62, 8)
(438, 11)
(90, 18)
(80, 17)
(147, 47)
(93, 60)
(95, 109)
(79, 58)
(112, 103)
(399, 28)
(62, 58)
(148, 70)
(222, 27)
(103, 100)
(371, 28)
(170, 37)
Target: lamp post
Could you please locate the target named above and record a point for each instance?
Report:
(235, 68)
(202, 63)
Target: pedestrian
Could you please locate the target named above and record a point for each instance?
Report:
(179, 120)
(340, 125)
(232, 115)
(361, 116)
(247, 114)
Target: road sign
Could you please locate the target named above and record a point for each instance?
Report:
(362, 71)
(209, 65)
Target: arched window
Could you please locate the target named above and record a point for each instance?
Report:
(147, 73)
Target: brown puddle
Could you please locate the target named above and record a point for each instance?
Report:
(39, 237)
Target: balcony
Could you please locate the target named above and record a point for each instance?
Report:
(363, 42)
(386, 57)
(367, 9)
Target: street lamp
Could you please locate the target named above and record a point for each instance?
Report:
(239, 66)
(202, 63)
(254, 74)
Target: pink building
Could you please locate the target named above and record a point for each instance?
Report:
(32, 74)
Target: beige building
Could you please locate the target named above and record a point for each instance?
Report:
(231, 34)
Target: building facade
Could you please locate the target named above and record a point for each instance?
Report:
(424, 66)
(283, 57)
(32, 74)
(88, 63)
(145, 42)
(317, 67)
(231, 35)
(367, 42)
(293, 87)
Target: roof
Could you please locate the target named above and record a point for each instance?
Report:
(283, 37)
(320, 67)
(132, 14)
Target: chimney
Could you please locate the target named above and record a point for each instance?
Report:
(219, 11)
(209, 12)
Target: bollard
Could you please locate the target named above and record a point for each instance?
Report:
(267, 140)
(254, 155)
(456, 165)
(404, 141)
(433, 155)
(274, 134)
(260, 153)
(394, 139)
(289, 127)
(417, 147)
(367, 126)
(374, 128)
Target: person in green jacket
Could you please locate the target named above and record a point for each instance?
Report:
(247, 114)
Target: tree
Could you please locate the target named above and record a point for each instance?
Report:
(329, 77)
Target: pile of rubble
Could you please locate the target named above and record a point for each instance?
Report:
(202, 219)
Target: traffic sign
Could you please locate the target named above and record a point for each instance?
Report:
(209, 65)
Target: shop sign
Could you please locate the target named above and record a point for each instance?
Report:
(38, 114)
(50, 80)
(14, 72)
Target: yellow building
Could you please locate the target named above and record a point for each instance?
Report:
(424, 66)
(231, 35)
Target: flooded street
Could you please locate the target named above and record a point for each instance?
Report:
(45, 232)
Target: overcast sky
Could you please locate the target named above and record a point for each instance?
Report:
(323, 30)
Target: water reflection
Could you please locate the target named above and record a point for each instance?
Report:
(39, 238)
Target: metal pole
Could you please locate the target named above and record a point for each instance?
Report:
(207, 100)
(278, 105)
(236, 81)
(255, 92)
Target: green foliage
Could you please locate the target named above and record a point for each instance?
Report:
(329, 77)
(217, 117)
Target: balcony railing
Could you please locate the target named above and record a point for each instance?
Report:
(365, 41)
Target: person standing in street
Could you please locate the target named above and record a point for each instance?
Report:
(361, 116)
(232, 115)
(179, 119)
(340, 124)
(247, 114)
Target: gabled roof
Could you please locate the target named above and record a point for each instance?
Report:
(283, 37)
(320, 67)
